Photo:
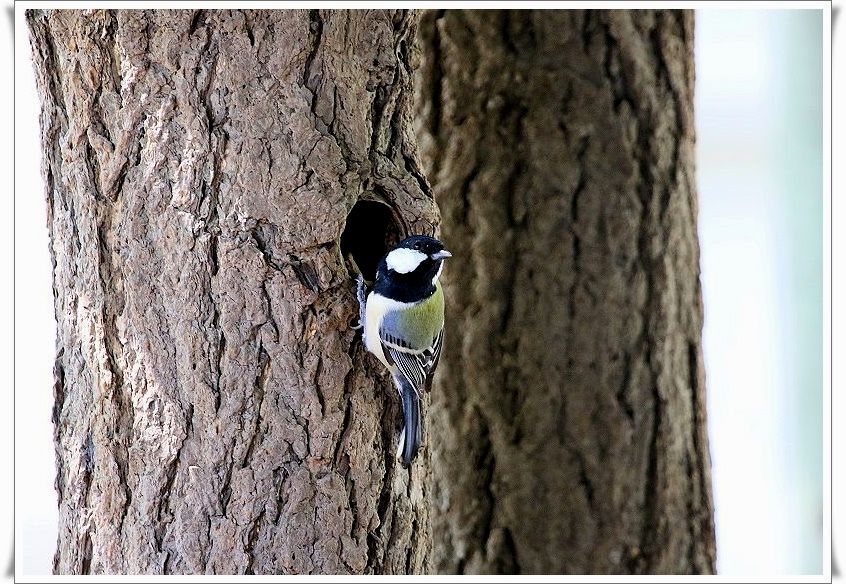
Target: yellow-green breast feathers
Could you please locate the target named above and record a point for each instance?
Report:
(416, 325)
(428, 318)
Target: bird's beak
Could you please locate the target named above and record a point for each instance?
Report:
(441, 255)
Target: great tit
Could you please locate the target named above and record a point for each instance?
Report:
(403, 322)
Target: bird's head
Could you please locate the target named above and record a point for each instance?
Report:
(415, 261)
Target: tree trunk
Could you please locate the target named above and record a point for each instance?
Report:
(569, 406)
(215, 412)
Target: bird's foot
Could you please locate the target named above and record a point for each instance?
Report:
(361, 294)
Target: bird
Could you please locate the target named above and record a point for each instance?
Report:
(402, 318)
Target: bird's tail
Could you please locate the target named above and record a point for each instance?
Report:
(412, 432)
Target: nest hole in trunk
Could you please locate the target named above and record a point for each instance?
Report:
(372, 228)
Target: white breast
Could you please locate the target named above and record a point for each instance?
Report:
(377, 307)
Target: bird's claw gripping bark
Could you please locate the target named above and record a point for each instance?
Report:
(361, 294)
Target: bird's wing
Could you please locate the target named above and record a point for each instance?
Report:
(439, 342)
(416, 365)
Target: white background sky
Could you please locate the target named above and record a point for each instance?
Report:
(765, 509)
(759, 151)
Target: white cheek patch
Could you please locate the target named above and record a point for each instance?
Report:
(403, 260)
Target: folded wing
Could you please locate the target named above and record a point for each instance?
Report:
(416, 364)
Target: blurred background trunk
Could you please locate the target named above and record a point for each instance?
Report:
(568, 416)
(214, 411)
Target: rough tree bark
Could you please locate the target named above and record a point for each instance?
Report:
(215, 413)
(569, 407)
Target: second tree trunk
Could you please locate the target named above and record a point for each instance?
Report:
(569, 406)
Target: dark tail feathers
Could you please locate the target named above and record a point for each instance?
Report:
(412, 432)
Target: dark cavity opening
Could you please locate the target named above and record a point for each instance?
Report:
(372, 229)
